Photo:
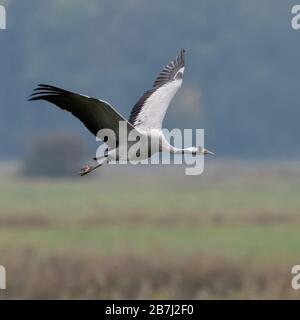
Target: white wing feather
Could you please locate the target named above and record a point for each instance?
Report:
(149, 111)
(153, 112)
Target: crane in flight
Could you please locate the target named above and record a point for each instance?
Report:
(146, 116)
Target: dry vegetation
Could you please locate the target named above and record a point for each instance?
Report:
(231, 233)
(130, 276)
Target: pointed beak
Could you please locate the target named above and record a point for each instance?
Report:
(208, 152)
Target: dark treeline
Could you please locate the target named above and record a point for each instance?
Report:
(241, 82)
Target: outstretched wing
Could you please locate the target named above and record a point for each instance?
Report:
(93, 113)
(149, 111)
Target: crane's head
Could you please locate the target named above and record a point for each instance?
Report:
(201, 150)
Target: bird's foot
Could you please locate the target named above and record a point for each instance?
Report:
(86, 169)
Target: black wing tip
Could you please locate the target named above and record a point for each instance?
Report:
(43, 90)
(36, 98)
(33, 97)
(180, 57)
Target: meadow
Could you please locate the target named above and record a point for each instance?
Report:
(152, 232)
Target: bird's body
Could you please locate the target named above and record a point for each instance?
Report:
(127, 153)
(145, 120)
(156, 142)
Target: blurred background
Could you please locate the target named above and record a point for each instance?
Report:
(150, 231)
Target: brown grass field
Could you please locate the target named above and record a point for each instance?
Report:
(152, 232)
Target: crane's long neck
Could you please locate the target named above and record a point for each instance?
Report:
(166, 147)
(190, 150)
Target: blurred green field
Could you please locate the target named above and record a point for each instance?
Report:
(249, 216)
